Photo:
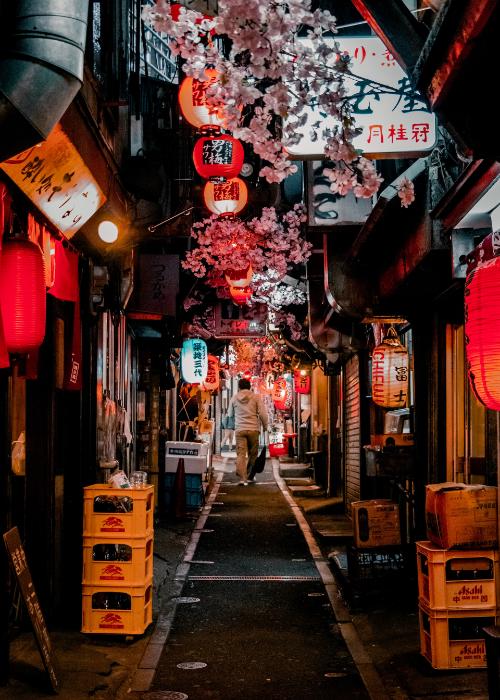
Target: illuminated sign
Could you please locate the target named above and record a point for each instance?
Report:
(240, 322)
(393, 117)
(55, 178)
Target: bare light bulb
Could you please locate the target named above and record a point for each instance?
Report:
(107, 231)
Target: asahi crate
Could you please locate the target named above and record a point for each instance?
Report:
(117, 610)
(453, 640)
(457, 579)
(110, 512)
(123, 562)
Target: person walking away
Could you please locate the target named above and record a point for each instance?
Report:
(228, 434)
(249, 412)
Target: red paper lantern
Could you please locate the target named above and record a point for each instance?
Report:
(239, 278)
(240, 295)
(301, 381)
(226, 198)
(212, 380)
(175, 11)
(193, 102)
(218, 158)
(22, 295)
(390, 372)
(482, 332)
(282, 394)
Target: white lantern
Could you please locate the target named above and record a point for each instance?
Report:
(194, 361)
(390, 372)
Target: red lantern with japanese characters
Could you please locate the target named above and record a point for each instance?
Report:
(390, 372)
(218, 157)
(193, 102)
(302, 381)
(239, 278)
(240, 295)
(212, 380)
(282, 394)
(482, 331)
(226, 198)
(22, 295)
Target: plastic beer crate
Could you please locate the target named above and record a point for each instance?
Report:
(117, 610)
(123, 562)
(457, 579)
(110, 512)
(453, 640)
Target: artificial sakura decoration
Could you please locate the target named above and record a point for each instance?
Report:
(406, 192)
(270, 244)
(267, 78)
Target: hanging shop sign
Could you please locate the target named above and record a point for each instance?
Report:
(158, 285)
(327, 208)
(226, 198)
(390, 372)
(218, 158)
(194, 361)
(212, 380)
(55, 178)
(302, 381)
(482, 331)
(240, 321)
(393, 118)
(240, 295)
(22, 295)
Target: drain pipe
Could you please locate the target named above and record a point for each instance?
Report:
(41, 70)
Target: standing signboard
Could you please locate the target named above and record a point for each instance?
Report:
(20, 566)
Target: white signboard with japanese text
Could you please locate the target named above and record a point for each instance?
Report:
(393, 117)
(55, 178)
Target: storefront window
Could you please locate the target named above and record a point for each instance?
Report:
(465, 417)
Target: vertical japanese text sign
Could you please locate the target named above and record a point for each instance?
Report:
(20, 566)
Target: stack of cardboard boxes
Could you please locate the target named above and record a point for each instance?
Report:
(458, 574)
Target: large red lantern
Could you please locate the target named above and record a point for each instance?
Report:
(193, 102)
(482, 332)
(226, 198)
(218, 158)
(22, 295)
(302, 381)
(240, 295)
(390, 372)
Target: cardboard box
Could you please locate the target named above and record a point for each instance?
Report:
(461, 515)
(376, 523)
(194, 454)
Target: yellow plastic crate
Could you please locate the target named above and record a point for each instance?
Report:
(109, 512)
(457, 579)
(117, 610)
(126, 562)
(454, 639)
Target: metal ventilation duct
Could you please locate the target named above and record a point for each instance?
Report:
(41, 70)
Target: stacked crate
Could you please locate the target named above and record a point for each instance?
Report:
(458, 574)
(457, 599)
(117, 560)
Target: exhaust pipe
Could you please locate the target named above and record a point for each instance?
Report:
(41, 70)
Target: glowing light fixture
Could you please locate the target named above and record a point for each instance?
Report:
(107, 231)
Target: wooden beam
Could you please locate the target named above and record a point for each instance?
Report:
(453, 37)
(400, 31)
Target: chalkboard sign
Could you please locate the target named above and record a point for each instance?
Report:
(20, 565)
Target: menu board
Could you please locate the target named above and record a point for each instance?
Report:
(20, 566)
